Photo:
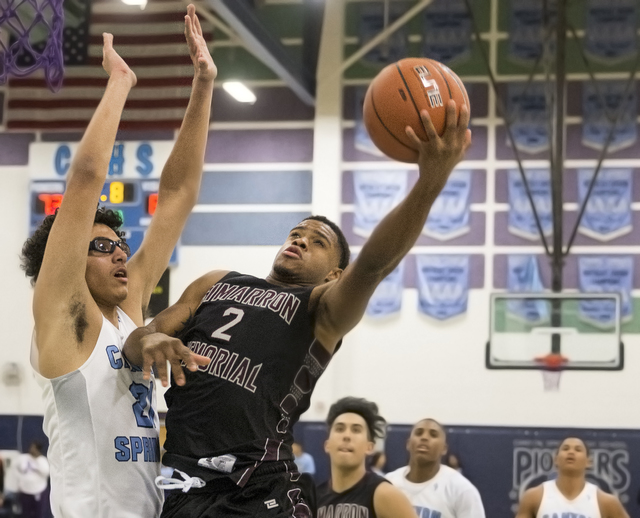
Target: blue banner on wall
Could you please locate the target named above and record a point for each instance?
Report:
(606, 274)
(526, 29)
(387, 299)
(610, 31)
(373, 20)
(449, 215)
(376, 193)
(608, 211)
(523, 276)
(600, 106)
(362, 140)
(522, 222)
(529, 117)
(443, 285)
(447, 31)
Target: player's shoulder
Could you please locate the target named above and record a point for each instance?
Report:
(609, 504)
(396, 476)
(455, 478)
(533, 495)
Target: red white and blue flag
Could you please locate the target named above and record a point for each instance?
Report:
(151, 41)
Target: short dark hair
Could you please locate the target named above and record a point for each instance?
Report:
(586, 446)
(345, 252)
(444, 432)
(34, 247)
(37, 445)
(368, 410)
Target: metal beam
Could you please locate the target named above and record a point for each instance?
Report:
(384, 34)
(239, 15)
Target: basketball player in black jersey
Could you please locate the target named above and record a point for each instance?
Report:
(354, 425)
(269, 340)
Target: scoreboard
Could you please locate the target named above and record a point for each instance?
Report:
(131, 187)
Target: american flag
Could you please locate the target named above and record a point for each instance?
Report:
(151, 41)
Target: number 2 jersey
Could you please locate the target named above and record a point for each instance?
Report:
(104, 449)
(239, 410)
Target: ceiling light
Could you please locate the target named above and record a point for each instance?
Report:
(141, 3)
(239, 92)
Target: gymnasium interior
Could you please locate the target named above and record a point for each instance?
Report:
(512, 327)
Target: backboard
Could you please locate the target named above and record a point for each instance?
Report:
(583, 328)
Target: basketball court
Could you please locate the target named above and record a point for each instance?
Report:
(514, 320)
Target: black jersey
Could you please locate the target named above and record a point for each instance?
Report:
(264, 365)
(356, 501)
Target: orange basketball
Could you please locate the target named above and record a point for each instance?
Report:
(397, 95)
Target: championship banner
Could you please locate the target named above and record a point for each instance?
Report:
(526, 29)
(605, 274)
(362, 139)
(522, 222)
(387, 299)
(449, 215)
(372, 22)
(443, 285)
(523, 276)
(447, 31)
(376, 193)
(608, 211)
(598, 116)
(528, 115)
(610, 31)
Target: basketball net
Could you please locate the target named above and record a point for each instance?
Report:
(31, 31)
(551, 366)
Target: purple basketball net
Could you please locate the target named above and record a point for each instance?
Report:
(19, 18)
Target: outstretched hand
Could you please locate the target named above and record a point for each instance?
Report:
(439, 155)
(112, 62)
(202, 61)
(158, 349)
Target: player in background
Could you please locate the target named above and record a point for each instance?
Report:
(99, 410)
(230, 425)
(352, 490)
(433, 488)
(570, 494)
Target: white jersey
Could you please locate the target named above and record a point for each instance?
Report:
(447, 495)
(102, 426)
(554, 503)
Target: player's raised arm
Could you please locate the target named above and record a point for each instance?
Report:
(62, 269)
(180, 180)
(155, 344)
(343, 302)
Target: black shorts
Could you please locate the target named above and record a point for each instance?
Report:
(272, 495)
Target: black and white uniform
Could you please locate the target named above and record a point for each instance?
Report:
(356, 501)
(232, 420)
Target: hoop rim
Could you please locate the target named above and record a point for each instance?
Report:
(552, 362)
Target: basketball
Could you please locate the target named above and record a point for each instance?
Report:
(397, 95)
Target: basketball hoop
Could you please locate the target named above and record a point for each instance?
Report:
(35, 28)
(551, 366)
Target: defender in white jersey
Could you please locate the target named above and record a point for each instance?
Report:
(436, 491)
(570, 494)
(99, 410)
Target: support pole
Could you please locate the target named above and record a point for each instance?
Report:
(557, 170)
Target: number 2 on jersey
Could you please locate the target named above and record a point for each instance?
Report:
(220, 332)
(143, 408)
